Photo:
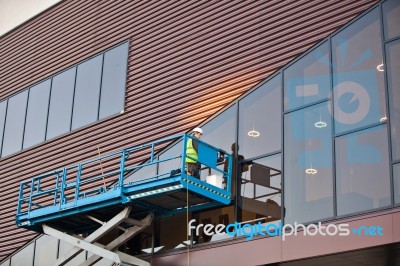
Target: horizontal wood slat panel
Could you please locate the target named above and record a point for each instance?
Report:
(187, 60)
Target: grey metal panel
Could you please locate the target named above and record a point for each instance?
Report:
(188, 59)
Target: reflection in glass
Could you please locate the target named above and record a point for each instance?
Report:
(396, 177)
(113, 83)
(362, 171)
(15, 121)
(62, 93)
(36, 115)
(391, 18)
(23, 257)
(220, 131)
(65, 248)
(261, 189)
(6, 263)
(393, 62)
(308, 193)
(260, 120)
(87, 92)
(171, 233)
(46, 250)
(3, 108)
(359, 92)
(174, 151)
(308, 79)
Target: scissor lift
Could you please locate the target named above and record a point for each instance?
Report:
(96, 196)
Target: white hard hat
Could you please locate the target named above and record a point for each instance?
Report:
(197, 129)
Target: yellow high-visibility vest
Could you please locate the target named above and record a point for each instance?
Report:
(190, 151)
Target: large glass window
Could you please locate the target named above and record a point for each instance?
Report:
(261, 189)
(308, 79)
(396, 177)
(69, 100)
(391, 18)
(393, 70)
(6, 263)
(3, 109)
(23, 257)
(36, 115)
(62, 93)
(308, 164)
(362, 171)
(15, 120)
(65, 248)
(46, 250)
(87, 92)
(113, 83)
(260, 120)
(359, 92)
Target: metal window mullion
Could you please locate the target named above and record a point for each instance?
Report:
(48, 109)
(101, 85)
(332, 111)
(73, 98)
(283, 208)
(26, 114)
(387, 107)
(4, 128)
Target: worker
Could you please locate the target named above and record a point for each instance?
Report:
(192, 147)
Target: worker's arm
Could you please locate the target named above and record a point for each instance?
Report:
(195, 146)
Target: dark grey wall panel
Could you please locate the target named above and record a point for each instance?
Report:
(187, 60)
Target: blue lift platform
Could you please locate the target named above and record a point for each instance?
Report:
(97, 195)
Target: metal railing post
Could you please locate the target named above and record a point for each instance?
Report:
(122, 170)
(77, 183)
(184, 140)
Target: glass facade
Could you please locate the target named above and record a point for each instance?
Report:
(320, 139)
(74, 98)
(308, 164)
(36, 114)
(46, 250)
(358, 84)
(260, 120)
(61, 100)
(362, 171)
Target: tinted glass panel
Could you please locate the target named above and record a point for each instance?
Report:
(261, 183)
(65, 248)
(308, 79)
(359, 92)
(391, 18)
(362, 171)
(6, 263)
(87, 92)
(308, 164)
(46, 250)
(15, 121)
(113, 83)
(396, 177)
(3, 107)
(220, 131)
(23, 257)
(36, 116)
(260, 120)
(62, 93)
(393, 63)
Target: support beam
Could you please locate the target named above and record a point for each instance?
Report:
(107, 227)
(116, 243)
(82, 244)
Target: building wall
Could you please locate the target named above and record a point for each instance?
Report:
(187, 60)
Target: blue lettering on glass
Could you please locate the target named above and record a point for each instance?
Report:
(355, 104)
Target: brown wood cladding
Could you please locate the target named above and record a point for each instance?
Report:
(187, 60)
